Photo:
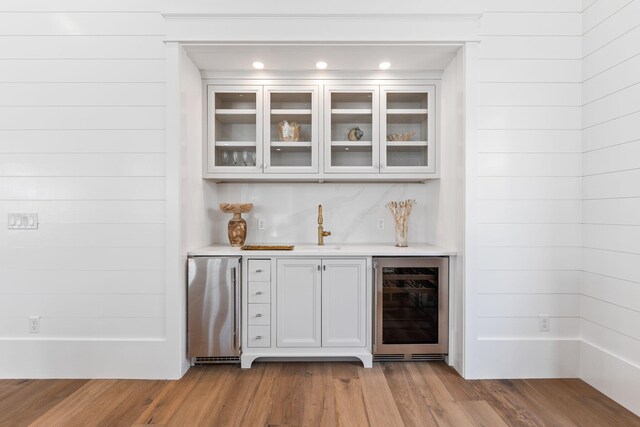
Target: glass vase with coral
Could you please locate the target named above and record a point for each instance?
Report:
(401, 211)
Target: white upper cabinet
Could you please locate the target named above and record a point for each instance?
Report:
(234, 140)
(351, 142)
(407, 123)
(291, 129)
(316, 132)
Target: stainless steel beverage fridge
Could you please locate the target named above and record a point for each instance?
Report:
(213, 310)
(411, 306)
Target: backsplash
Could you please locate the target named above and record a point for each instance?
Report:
(350, 211)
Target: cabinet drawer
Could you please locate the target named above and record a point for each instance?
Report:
(259, 292)
(259, 336)
(259, 314)
(259, 270)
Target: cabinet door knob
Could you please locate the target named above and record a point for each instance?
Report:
(259, 337)
(258, 293)
(259, 315)
(259, 270)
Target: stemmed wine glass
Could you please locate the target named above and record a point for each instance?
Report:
(245, 157)
(235, 158)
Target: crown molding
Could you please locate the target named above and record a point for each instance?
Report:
(331, 16)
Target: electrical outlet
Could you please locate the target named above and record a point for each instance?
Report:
(261, 223)
(34, 324)
(380, 223)
(544, 323)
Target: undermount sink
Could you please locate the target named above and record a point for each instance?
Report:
(319, 248)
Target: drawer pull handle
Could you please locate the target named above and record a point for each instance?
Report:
(259, 270)
(259, 337)
(259, 293)
(259, 315)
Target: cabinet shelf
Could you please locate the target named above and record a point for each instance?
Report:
(400, 144)
(235, 143)
(297, 144)
(351, 111)
(408, 111)
(290, 111)
(235, 111)
(351, 143)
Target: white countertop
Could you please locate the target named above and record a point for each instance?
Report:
(363, 249)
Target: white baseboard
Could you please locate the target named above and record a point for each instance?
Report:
(88, 359)
(524, 359)
(611, 375)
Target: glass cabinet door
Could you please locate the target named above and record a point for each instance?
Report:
(351, 129)
(407, 129)
(291, 129)
(235, 129)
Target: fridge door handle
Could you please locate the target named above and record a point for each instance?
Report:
(236, 310)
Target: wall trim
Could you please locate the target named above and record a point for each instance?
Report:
(610, 375)
(237, 28)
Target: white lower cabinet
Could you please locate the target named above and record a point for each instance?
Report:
(298, 308)
(321, 303)
(320, 307)
(344, 302)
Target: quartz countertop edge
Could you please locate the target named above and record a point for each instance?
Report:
(344, 250)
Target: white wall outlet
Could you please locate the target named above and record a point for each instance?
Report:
(544, 323)
(34, 324)
(380, 223)
(261, 223)
(23, 221)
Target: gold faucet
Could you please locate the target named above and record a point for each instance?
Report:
(321, 233)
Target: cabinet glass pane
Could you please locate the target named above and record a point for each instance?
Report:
(407, 129)
(235, 129)
(291, 129)
(349, 146)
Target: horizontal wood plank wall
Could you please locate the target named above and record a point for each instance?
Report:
(610, 282)
(82, 119)
(529, 180)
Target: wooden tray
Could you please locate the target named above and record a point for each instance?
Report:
(267, 247)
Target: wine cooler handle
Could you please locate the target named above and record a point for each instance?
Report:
(375, 307)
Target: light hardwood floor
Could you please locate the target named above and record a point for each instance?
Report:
(310, 394)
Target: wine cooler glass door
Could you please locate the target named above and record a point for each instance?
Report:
(412, 312)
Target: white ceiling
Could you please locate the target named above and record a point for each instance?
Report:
(304, 57)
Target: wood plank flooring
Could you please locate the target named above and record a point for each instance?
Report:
(310, 394)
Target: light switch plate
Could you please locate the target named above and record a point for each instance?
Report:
(23, 221)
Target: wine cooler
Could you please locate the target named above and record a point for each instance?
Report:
(411, 306)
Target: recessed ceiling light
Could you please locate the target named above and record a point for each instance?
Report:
(258, 65)
(384, 65)
(321, 65)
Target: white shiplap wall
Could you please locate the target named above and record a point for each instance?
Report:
(528, 190)
(610, 283)
(82, 119)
